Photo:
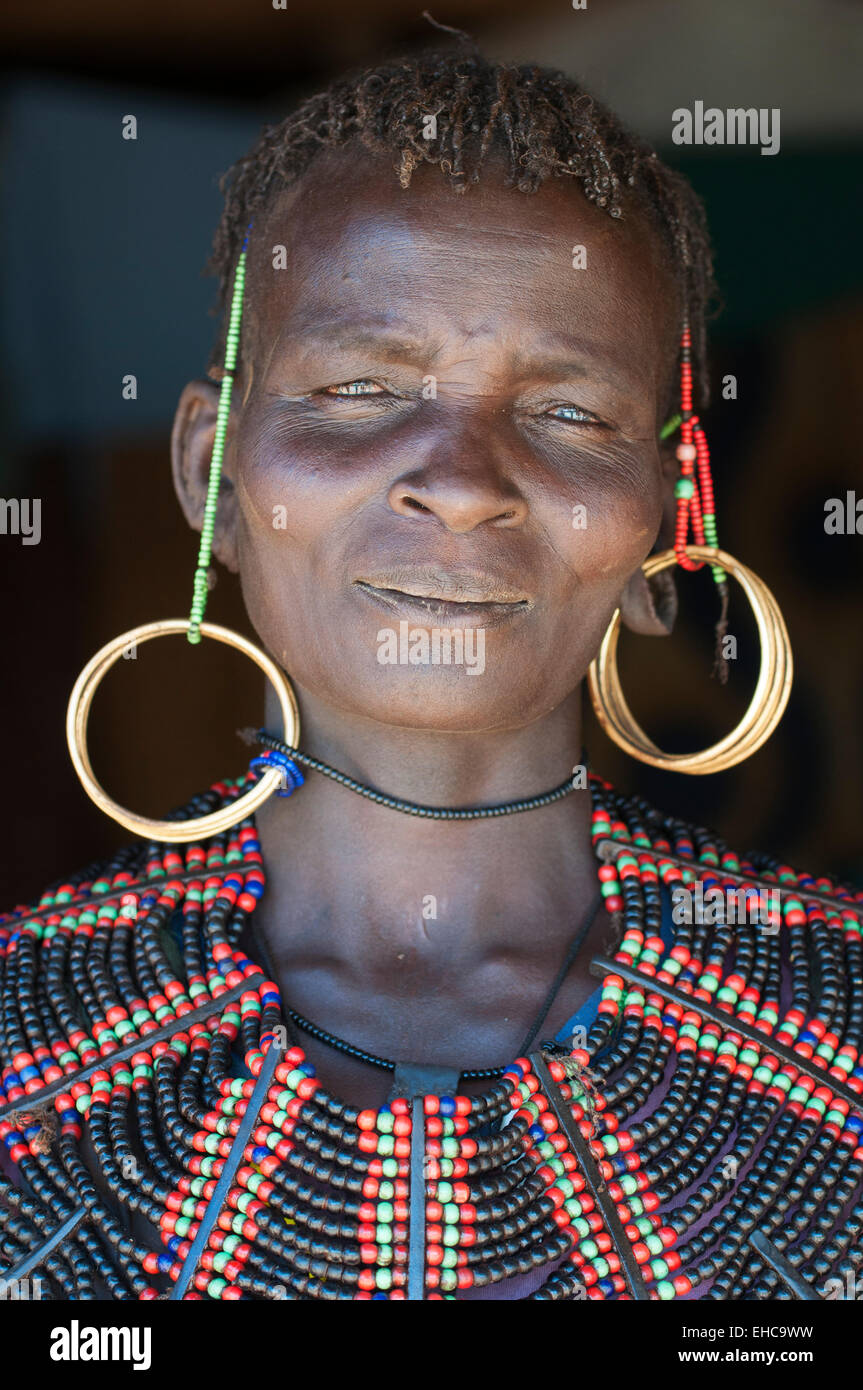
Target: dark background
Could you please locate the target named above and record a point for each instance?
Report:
(104, 242)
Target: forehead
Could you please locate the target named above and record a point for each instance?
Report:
(492, 263)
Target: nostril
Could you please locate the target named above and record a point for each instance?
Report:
(414, 504)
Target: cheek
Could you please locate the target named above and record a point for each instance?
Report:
(603, 521)
(294, 498)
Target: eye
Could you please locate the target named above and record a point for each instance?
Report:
(572, 415)
(361, 387)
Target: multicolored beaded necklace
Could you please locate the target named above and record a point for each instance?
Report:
(121, 1074)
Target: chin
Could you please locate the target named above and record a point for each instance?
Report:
(437, 699)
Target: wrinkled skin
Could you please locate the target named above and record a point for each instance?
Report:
(495, 389)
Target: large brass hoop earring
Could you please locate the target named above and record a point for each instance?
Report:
(765, 708)
(78, 713)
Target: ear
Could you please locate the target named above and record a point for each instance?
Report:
(191, 451)
(650, 607)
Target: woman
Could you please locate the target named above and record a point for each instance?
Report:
(439, 458)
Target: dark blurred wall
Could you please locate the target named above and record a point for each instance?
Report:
(104, 244)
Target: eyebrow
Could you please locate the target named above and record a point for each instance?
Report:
(383, 333)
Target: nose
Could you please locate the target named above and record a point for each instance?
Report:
(462, 492)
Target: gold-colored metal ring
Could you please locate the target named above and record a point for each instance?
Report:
(78, 713)
(766, 707)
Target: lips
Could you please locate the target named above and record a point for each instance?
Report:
(453, 597)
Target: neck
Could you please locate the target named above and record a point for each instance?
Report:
(366, 883)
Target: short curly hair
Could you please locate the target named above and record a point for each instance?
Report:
(543, 122)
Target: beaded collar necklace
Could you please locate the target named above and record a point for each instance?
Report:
(744, 1179)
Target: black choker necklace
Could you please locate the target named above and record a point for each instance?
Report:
(288, 755)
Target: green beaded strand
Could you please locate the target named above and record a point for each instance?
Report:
(232, 343)
(670, 426)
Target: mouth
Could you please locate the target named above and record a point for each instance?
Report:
(454, 599)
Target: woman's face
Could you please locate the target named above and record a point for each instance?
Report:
(447, 419)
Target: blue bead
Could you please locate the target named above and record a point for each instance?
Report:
(165, 1262)
(256, 889)
(260, 1152)
(808, 1038)
(447, 1105)
(174, 1243)
(536, 1132)
(606, 1285)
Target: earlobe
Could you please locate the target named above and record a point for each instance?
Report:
(650, 607)
(191, 451)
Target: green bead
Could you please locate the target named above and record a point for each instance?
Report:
(684, 487)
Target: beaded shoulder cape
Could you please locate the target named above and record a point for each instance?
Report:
(159, 1137)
